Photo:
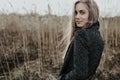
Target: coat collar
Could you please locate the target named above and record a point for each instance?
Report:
(93, 26)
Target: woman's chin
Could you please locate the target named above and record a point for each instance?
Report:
(80, 25)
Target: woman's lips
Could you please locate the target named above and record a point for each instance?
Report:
(78, 22)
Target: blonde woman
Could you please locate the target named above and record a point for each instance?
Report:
(84, 52)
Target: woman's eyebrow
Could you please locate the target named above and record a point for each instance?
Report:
(79, 10)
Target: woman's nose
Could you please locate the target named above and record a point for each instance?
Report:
(77, 16)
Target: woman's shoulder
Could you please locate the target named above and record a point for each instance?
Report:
(89, 34)
(81, 32)
(81, 35)
(95, 36)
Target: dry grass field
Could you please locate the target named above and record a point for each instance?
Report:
(32, 47)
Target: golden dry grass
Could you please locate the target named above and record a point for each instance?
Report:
(32, 46)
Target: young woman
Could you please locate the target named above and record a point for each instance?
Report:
(84, 52)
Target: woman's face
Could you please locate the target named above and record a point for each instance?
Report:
(81, 14)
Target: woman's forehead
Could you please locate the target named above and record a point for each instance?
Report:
(81, 6)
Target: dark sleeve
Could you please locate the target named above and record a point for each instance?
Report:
(80, 70)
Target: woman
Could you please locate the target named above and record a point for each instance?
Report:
(84, 52)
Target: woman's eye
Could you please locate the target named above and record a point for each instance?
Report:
(75, 12)
(81, 12)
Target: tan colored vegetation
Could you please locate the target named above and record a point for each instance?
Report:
(32, 47)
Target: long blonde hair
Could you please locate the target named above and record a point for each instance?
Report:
(93, 14)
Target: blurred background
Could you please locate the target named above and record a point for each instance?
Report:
(34, 37)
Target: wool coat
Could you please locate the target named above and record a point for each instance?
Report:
(83, 54)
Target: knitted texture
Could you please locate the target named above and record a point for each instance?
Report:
(83, 54)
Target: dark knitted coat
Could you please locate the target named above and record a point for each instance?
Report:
(83, 54)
